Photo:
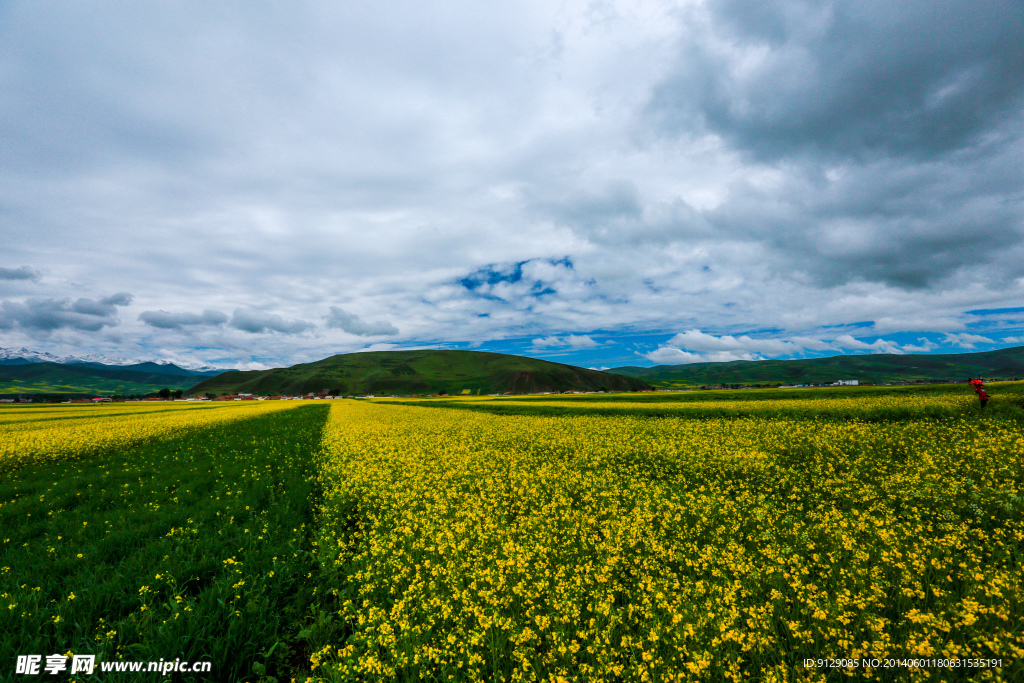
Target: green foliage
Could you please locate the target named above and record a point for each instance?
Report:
(54, 378)
(196, 547)
(418, 372)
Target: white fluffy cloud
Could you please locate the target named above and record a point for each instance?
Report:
(670, 355)
(571, 340)
(695, 346)
(967, 340)
(924, 346)
(847, 341)
(695, 340)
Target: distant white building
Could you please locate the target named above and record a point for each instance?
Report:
(846, 383)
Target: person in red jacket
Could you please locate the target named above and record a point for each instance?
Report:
(979, 389)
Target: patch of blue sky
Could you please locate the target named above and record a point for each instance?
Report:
(855, 325)
(616, 349)
(995, 311)
(492, 275)
(510, 273)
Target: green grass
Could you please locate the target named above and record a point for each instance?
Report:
(154, 546)
(55, 379)
(418, 372)
(87, 389)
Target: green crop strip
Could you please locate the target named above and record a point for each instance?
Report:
(1004, 407)
(196, 547)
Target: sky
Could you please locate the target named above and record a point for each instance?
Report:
(255, 184)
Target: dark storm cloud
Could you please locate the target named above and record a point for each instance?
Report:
(176, 321)
(906, 225)
(883, 140)
(47, 315)
(351, 323)
(854, 77)
(23, 273)
(258, 322)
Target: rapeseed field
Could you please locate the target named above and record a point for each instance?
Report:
(179, 534)
(35, 435)
(724, 536)
(475, 545)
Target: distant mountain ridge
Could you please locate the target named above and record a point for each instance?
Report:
(431, 371)
(25, 356)
(31, 372)
(419, 372)
(877, 368)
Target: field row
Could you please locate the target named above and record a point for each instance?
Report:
(196, 545)
(858, 403)
(32, 436)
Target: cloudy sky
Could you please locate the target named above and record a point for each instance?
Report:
(603, 183)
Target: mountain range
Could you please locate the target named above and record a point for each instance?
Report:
(473, 372)
(419, 372)
(31, 372)
(874, 368)
(24, 356)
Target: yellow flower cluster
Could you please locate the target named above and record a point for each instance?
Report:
(727, 405)
(46, 434)
(475, 546)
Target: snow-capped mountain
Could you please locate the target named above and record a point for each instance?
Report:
(44, 357)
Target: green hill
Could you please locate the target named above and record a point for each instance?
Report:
(55, 378)
(877, 368)
(418, 372)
